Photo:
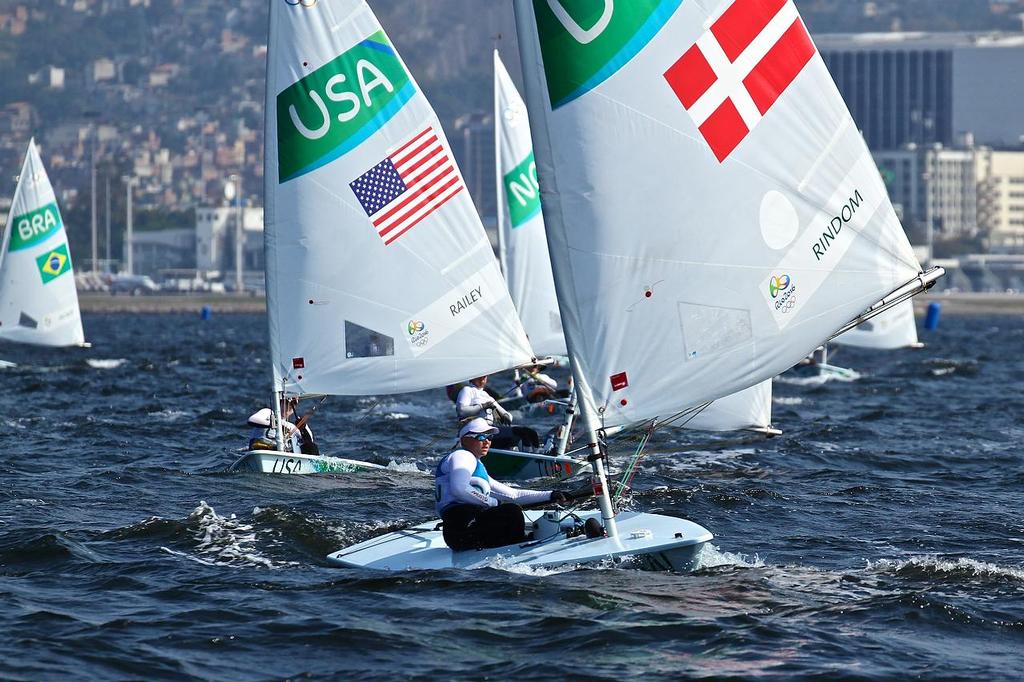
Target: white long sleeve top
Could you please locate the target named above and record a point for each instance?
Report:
(463, 479)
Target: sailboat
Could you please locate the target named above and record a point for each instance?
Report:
(380, 278)
(892, 330)
(522, 246)
(712, 216)
(38, 297)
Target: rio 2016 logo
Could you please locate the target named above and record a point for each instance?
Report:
(301, 3)
(418, 334)
(783, 291)
(777, 285)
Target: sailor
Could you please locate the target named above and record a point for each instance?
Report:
(470, 502)
(474, 401)
(306, 441)
(264, 435)
(537, 386)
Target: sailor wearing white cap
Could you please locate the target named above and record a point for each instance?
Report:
(469, 501)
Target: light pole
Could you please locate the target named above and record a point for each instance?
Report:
(233, 190)
(129, 183)
(106, 266)
(92, 178)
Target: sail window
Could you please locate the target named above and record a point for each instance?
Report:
(361, 342)
(26, 321)
(710, 330)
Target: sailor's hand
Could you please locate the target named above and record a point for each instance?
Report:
(560, 498)
(501, 415)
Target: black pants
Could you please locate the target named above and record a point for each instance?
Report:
(509, 437)
(467, 526)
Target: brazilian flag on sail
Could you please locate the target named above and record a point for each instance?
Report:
(53, 264)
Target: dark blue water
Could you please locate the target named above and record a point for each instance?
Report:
(882, 536)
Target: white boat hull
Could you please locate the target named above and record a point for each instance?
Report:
(275, 462)
(656, 542)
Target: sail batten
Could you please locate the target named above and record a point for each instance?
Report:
(712, 212)
(379, 275)
(38, 296)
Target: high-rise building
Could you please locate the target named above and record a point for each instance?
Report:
(935, 187)
(928, 88)
(1001, 198)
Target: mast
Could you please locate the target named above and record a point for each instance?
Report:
(499, 193)
(270, 271)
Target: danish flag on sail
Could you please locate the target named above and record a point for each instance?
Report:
(729, 79)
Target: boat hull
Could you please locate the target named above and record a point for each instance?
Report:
(656, 542)
(275, 462)
(514, 465)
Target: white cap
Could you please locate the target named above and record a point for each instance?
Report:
(262, 418)
(475, 426)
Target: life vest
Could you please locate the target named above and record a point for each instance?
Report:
(444, 497)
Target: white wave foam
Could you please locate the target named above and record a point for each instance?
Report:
(507, 564)
(396, 416)
(404, 467)
(981, 569)
(167, 415)
(223, 541)
(942, 371)
(105, 364)
(818, 379)
(786, 400)
(712, 557)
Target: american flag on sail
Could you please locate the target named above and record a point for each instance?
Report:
(417, 178)
(736, 71)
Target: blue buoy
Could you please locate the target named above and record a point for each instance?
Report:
(931, 318)
(206, 313)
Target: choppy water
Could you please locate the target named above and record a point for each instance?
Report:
(880, 537)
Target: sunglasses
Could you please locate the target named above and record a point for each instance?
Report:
(482, 437)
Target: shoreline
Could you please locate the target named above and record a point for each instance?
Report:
(221, 304)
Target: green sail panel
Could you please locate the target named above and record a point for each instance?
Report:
(585, 42)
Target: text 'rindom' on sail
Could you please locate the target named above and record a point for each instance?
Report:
(712, 211)
(380, 278)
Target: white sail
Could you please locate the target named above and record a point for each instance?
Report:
(712, 212)
(895, 328)
(520, 222)
(749, 409)
(380, 278)
(38, 298)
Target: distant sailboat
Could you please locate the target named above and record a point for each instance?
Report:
(380, 277)
(522, 246)
(38, 298)
(891, 330)
(692, 158)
